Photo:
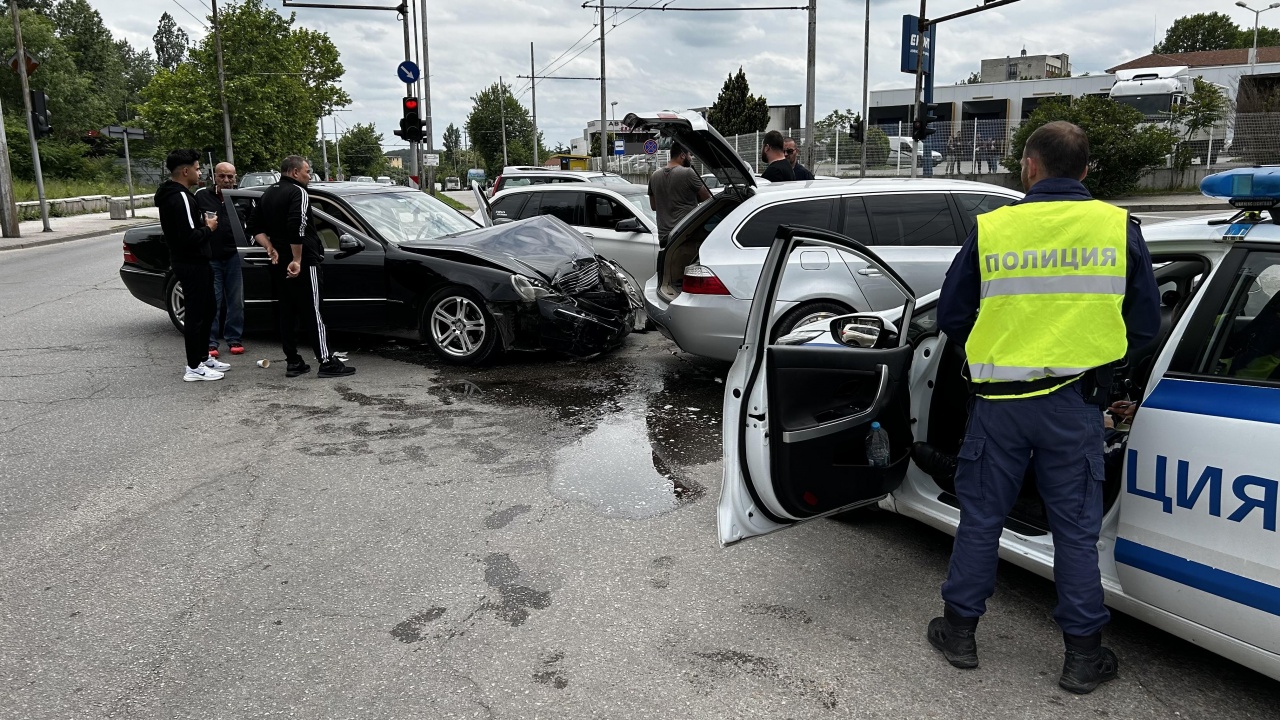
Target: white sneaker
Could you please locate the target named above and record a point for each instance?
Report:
(200, 372)
(213, 363)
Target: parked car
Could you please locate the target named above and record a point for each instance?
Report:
(900, 151)
(401, 263)
(452, 183)
(1193, 554)
(616, 219)
(524, 175)
(706, 275)
(259, 179)
(362, 179)
(384, 180)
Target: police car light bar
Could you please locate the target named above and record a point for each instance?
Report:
(1252, 188)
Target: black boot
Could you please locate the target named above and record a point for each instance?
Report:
(939, 465)
(1087, 664)
(953, 636)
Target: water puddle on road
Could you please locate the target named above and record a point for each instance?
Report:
(615, 469)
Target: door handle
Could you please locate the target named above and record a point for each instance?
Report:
(258, 260)
(870, 272)
(589, 236)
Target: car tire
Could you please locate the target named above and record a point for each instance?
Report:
(807, 313)
(175, 303)
(458, 327)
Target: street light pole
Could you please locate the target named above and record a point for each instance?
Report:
(427, 132)
(222, 87)
(533, 88)
(866, 96)
(502, 113)
(1253, 56)
(811, 84)
(604, 134)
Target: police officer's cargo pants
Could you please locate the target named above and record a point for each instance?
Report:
(1062, 436)
(298, 304)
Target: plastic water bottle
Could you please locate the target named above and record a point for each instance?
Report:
(878, 446)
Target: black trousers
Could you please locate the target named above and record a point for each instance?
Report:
(298, 306)
(198, 306)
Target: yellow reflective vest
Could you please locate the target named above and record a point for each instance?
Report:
(1053, 282)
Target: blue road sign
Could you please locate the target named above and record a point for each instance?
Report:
(651, 146)
(619, 147)
(408, 72)
(911, 43)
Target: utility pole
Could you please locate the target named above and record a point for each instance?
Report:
(502, 113)
(811, 82)
(921, 34)
(427, 134)
(8, 208)
(222, 87)
(533, 88)
(26, 100)
(604, 134)
(866, 96)
(324, 149)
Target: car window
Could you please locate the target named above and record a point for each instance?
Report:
(508, 207)
(856, 224)
(605, 212)
(640, 202)
(972, 205)
(566, 206)
(1245, 340)
(610, 180)
(508, 183)
(530, 208)
(912, 219)
(761, 229)
(407, 216)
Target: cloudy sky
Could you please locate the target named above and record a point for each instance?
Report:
(680, 59)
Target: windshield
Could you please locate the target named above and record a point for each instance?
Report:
(402, 217)
(1152, 106)
(257, 180)
(610, 180)
(640, 201)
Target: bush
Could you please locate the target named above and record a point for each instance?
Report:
(877, 147)
(1122, 146)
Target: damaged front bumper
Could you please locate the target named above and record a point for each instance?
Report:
(583, 324)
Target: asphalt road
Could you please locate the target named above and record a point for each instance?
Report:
(531, 540)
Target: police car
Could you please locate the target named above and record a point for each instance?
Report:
(1189, 539)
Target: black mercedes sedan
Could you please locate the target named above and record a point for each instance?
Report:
(399, 262)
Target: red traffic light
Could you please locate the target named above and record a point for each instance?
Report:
(410, 104)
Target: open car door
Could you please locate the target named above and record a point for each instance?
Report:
(796, 417)
(484, 213)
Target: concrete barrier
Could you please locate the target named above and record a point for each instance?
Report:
(62, 207)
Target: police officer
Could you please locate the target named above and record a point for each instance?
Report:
(1046, 294)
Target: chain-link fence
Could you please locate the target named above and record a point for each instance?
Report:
(969, 148)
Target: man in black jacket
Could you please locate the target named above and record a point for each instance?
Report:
(281, 222)
(228, 282)
(187, 234)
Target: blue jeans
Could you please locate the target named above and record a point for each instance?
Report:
(1062, 436)
(228, 297)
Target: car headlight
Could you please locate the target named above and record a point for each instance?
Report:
(530, 289)
(799, 337)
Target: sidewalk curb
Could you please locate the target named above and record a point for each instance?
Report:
(78, 236)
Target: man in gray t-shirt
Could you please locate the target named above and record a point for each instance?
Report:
(675, 190)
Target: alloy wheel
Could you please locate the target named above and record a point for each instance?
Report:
(458, 326)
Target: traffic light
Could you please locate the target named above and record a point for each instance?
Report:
(857, 131)
(920, 126)
(40, 114)
(411, 121)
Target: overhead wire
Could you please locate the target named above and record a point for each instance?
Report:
(185, 10)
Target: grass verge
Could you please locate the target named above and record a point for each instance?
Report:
(25, 190)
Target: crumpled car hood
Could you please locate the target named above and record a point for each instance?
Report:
(542, 247)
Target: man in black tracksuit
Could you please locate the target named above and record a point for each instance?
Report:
(187, 233)
(281, 222)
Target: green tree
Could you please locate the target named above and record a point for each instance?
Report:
(279, 81)
(362, 150)
(1204, 108)
(96, 57)
(973, 79)
(139, 68)
(1123, 147)
(1267, 37)
(838, 119)
(1202, 31)
(484, 127)
(736, 111)
(451, 144)
(171, 43)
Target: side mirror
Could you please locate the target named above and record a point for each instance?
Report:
(863, 331)
(348, 243)
(502, 221)
(632, 225)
